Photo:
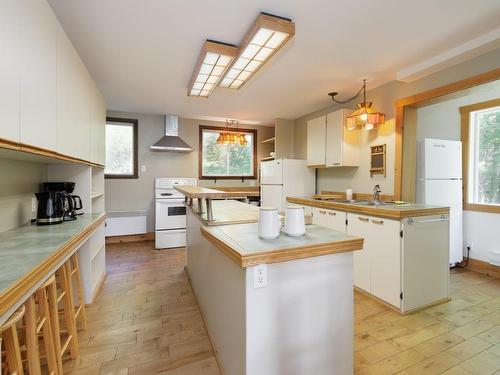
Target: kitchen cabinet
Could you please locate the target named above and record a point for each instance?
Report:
(38, 53)
(332, 219)
(316, 147)
(329, 143)
(404, 262)
(10, 11)
(73, 101)
(98, 128)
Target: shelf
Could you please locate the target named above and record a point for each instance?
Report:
(97, 195)
(268, 158)
(269, 140)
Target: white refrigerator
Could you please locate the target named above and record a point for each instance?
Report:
(283, 178)
(439, 182)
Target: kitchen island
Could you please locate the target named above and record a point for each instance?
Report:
(282, 306)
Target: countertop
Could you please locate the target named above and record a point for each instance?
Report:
(389, 212)
(229, 212)
(28, 253)
(200, 192)
(242, 244)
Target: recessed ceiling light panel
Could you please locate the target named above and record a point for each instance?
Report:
(268, 34)
(214, 60)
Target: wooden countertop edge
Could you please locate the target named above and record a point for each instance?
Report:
(281, 255)
(386, 213)
(21, 287)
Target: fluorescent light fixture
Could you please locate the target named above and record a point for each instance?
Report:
(214, 60)
(268, 34)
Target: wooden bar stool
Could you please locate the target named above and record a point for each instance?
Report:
(8, 334)
(38, 320)
(74, 271)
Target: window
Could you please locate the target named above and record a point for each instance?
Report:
(481, 155)
(121, 148)
(220, 161)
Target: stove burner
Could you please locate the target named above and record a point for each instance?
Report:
(166, 194)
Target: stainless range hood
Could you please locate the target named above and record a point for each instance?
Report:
(171, 141)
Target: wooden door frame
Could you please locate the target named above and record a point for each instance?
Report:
(423, 98)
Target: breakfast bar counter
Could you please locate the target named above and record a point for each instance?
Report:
(281, 306)
(30, 254)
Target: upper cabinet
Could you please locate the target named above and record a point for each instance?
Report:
(38, 67)
(49, 100)
(316, 142)
(330, 144)
(73, 101)
(10, 14)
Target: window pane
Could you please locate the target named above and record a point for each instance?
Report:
(119, 149)
(240, 158)
(214, 161)
(488, 156)
(226, 160)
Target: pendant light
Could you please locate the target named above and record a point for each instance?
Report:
(231, 136)
(364, 117)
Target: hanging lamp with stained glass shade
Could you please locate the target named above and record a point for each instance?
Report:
(231, 137)
(364, 117)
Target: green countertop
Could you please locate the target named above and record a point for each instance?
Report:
(25, 248)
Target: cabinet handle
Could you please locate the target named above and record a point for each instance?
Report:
(322, 212)
(332, 213)
(377, 221)
(363, 218)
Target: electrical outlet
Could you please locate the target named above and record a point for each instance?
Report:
(468, 244)
(260, 276)
(143, 168)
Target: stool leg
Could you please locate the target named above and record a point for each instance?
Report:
(69, 310)
(54, 316)
(82, 315)
(48, 337)
(32, 338)
(13, 352)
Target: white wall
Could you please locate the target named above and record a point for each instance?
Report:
(19, 180)
(137, 194)
(442, 121)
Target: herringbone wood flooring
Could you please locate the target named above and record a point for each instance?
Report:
(146, 321)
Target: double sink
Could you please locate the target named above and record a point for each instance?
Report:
(363, 202)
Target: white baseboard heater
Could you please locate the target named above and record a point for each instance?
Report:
(123, 223)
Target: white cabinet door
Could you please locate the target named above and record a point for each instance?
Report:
(320, 217)
(10, 16)
(385, 257)
(334, 125)
(38, 54)
(336, 220)
(97, 128)
(359, 225)
(342, 145)
(73, 113)
(316, 143)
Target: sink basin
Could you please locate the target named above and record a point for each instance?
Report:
(363, 202)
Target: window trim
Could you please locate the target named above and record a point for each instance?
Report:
(465, 112)
(135, 124)
(223, 177)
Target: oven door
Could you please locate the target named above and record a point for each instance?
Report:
(170, 214)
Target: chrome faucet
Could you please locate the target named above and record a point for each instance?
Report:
(376, 193)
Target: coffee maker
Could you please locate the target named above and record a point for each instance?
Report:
(71, 202)
(50, 208)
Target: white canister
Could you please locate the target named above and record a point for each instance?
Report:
(269, 223)
(295, 224)
(348, 194)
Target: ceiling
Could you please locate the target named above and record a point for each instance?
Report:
(142, 53)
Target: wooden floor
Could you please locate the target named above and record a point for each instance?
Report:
(145, 321)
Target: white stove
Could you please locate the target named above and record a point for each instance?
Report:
(170, 212)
